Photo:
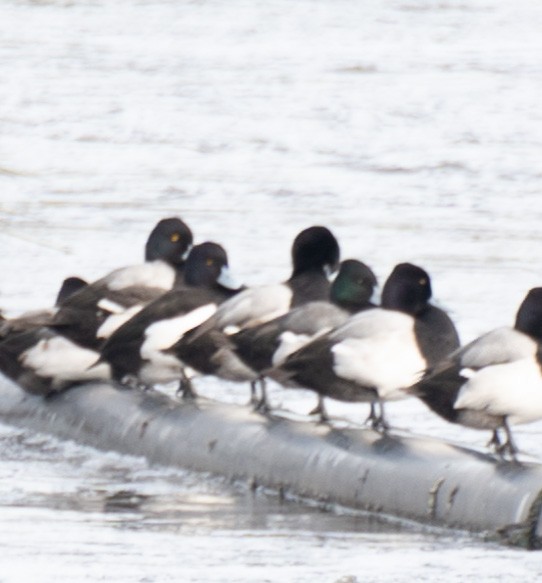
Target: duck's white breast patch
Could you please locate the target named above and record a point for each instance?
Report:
(290, 342)
(64, 360)
(160, 367)
(115, 321)
(110, 306)
(164, 333)
(230, 330)
(512, 389)
(379, 350)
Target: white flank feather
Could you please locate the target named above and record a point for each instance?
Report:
(378, 349)
(115, 321)
(467, 372)
(165, 333)
(254, 306)
(110, 306)
(513, 390)
(62, 360)
(290, 342)
(150, 274)
(231, 330)
(159, 366)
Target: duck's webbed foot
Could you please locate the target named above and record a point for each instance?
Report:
(261, 404)
(509, 446)
(377, 421)
(495, 443)
(254, 392)
(321, 410)
(186, 388)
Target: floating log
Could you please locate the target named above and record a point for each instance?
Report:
(417, 478)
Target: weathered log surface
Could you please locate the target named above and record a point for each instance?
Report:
(418, 478)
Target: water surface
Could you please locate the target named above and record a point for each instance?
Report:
(411, 128)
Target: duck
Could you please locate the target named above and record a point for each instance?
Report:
(266, 345)
(69, 286)
(376, 353)
(315, 255)
(494, 381)
(112, 300)
(39, 318)
(206, 349)
(135, 351)
(43, 362)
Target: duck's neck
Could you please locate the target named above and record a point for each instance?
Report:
(179, 275)
(309, 286)
(529, 322)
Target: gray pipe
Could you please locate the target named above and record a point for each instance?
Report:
(418, 478)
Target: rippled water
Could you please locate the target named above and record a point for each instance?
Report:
(412, 128)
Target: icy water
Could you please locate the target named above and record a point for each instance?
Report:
(412, 128)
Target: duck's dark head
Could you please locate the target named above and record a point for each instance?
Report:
(69, 286)
(407, 289)
(207, 265)
(170, 241)
(354, 285)
(315, 249)
(529, 315)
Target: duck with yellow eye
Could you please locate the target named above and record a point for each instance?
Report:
(315, 253)
(110, 301)
(170, 242)
(137, 350)
(376, 354)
